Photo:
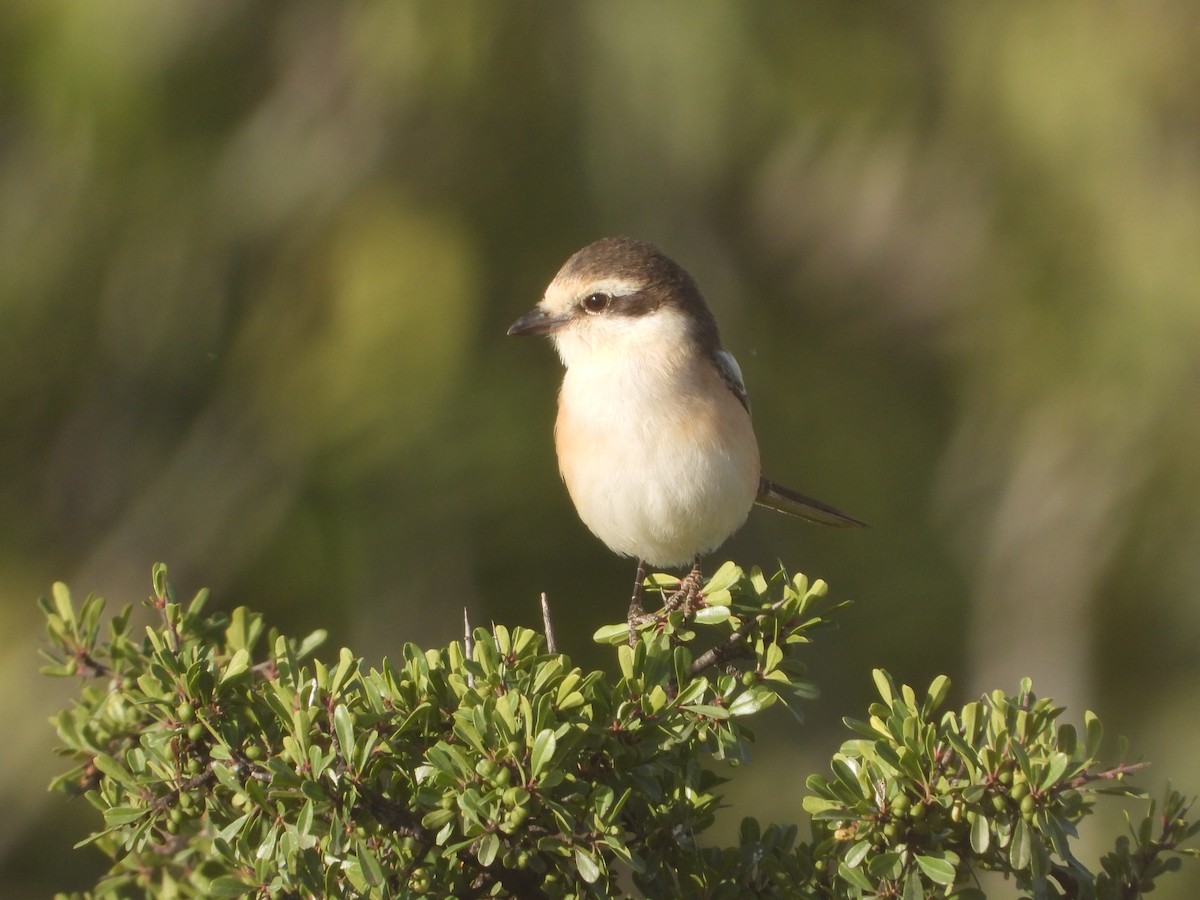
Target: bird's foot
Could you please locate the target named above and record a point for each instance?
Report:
(688, 595)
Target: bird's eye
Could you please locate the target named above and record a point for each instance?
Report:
(595, 303)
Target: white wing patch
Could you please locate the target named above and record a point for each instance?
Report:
(731, 374)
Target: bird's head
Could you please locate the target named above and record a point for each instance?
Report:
(620, 296)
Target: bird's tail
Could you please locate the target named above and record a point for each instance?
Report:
(785, 500)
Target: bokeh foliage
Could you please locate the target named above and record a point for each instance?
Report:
(256, 262)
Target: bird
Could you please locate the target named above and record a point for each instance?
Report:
(654, 436)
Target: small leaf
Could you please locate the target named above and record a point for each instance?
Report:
(711, 615)
(544, 746)
(343, 724)
(346, 667)
(913, 889)
(123, 815)
(612, 634)
(936, 695)
(437, 818)
(856, 854)
(724, 578)
(489, 846)
(856, 877)
(704, 709)
(372, 871)
(1094, 733)
(158, 573)
(981, 834)
(1020, 851)
(1055, 769)
(226, 886)
(883, 684)
(62, 601)
(752, 701)
(1067, 739)
(625, 659)
(586, 865)
(238, 663)
(885, 865)
(311, 642)
(939, 871)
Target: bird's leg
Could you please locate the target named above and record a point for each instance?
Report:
(637, 615)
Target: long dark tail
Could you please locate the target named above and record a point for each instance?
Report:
(785, 500)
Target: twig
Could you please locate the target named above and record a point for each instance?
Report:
(547, 625)
(161, 603)
(730, 647)
(1107, 775)
(468, 644)
(87, 665)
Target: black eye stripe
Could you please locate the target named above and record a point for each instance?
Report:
(639, 303)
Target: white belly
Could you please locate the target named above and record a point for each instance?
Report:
(661, 463)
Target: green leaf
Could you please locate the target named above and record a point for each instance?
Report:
(936, 695)
(230, 831)
(937, 869)
(371, 870)
(227, 886)
(1020, 850)
(1093, 734)
(158, 574)
(62, 602)
(857, 853)
(123, 815)
(311, 642)
(1056, 767)
(885, 865)
(752, 701)
(343, 724)
(712, 615)
(724, 578)
(489, 846)
(238, 663)
(612, 634)
(913, 889)
(712, 712)
(856, 877)
(587, 865)
(543, 752)
(346, 667)
(883, 684)
(981, 834)
(866, 729)
(437, 818)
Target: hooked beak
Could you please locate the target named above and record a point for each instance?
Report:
(538, 321)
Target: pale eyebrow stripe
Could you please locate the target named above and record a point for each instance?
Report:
(614, 287)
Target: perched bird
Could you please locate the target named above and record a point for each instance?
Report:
(653, 435)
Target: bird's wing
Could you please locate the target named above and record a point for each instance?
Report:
(785, 500)
(731, 374)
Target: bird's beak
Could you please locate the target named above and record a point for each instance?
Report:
(537, 321)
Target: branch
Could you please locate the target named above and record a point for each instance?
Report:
(731, 646)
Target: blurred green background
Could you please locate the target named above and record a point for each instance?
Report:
(257, 261)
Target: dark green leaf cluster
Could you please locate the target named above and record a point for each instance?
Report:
(228, 761)
(226, 764)
(920, 802)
